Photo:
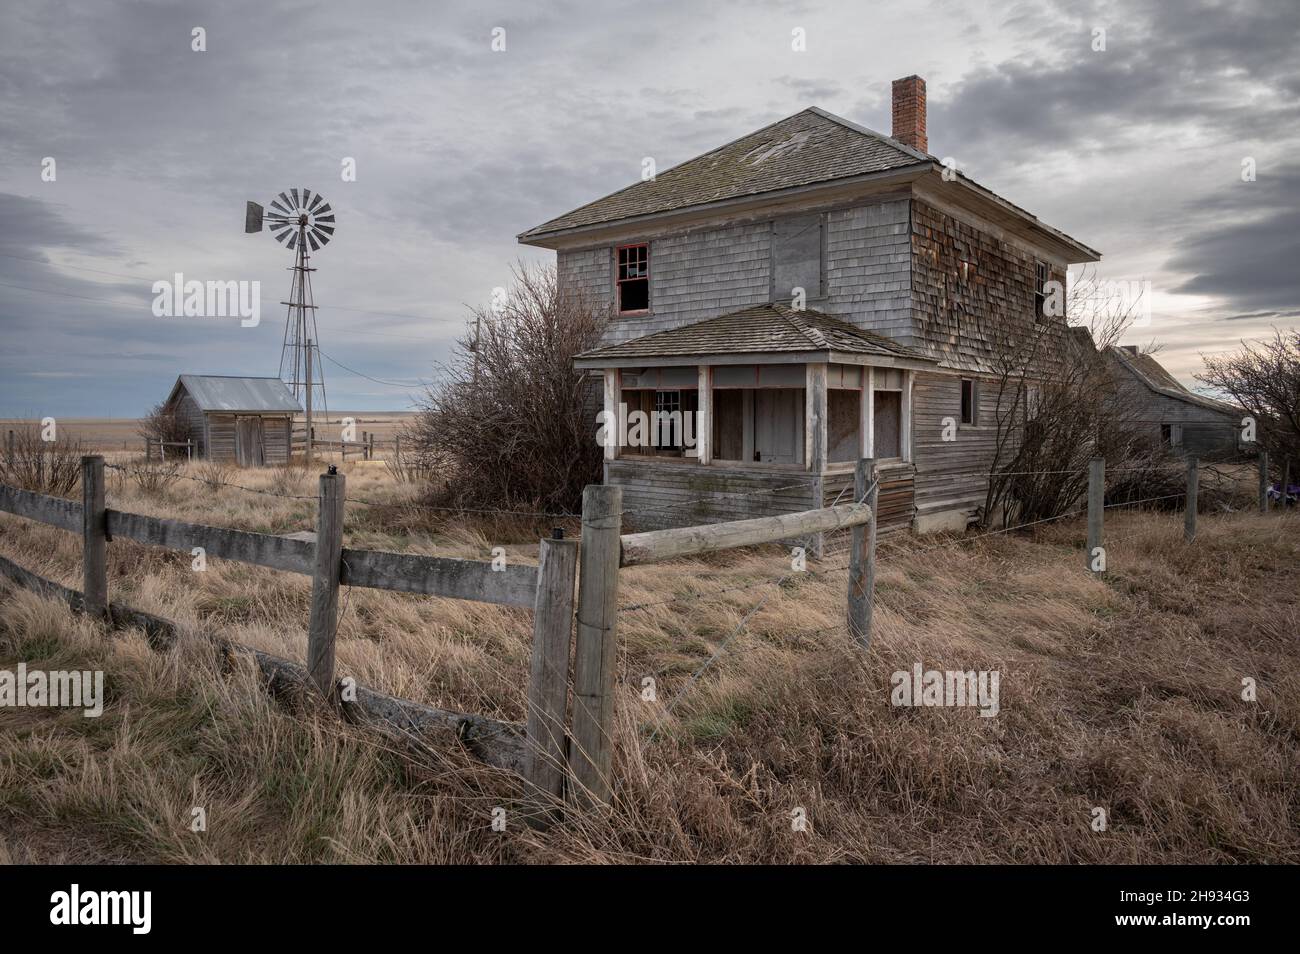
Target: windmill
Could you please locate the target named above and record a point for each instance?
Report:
(298, 219)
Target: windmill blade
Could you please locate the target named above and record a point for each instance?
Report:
(252, 217)
(293, 239)
(297, 203)
(316, 201)
(320, 236)
(324, 228)
(282, 235)
(280, 210)
(311, 237)
(323, 210)
(306, 197)
(324, 218)
(289, 206)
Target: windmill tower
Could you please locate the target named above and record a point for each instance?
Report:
(298, 219)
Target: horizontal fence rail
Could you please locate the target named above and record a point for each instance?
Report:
(244, 546)
(440, 576)
(57, 512)
(658, 545)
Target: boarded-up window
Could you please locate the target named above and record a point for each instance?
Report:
(797, 252)
(843, 416)
(778, 425)
(888, 420)
(729, 424)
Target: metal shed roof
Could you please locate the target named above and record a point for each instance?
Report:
(218, 392)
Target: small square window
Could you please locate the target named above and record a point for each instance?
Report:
(969, 410)
(633, 278)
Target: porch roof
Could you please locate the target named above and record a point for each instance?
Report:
(771, 329)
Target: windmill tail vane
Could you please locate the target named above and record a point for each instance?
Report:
(298, 219)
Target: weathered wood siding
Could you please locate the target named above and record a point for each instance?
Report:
(658, 495)
(949, 473)
(221, 436)
(973, 293)
(276, 435)
(896, 505)
(708, 272)
(188, 410)
(1205, 432)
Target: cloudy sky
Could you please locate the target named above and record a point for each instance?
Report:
(1136, 150)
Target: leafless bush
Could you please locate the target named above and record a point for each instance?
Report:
(417, 464)
(513, 418)
(213, 473)
(45, 467)
(154, 477)
(163, 423)
(1055, 409)
(1264, 378)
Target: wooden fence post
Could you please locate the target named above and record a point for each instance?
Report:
(1263, 481)
(548, 680)
(1096, 510)
(370, 448)
(591, 751)
(862, 562)
(325, 583)
(9, 446)
(94, 536)
(1189, 510)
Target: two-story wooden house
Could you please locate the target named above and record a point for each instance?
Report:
(813, 293)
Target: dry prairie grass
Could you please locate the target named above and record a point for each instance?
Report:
(1122, 694)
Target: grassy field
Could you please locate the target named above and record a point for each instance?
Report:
(1122, 694)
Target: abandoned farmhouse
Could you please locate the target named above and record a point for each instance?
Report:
(816, 293)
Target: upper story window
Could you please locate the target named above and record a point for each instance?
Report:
(969, 398)
(633, 278)
(798, 254)
(1040, 291)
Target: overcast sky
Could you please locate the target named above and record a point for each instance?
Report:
(1136, 150)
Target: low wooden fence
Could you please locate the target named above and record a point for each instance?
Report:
(563, 754)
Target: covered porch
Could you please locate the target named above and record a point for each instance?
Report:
(777, 424)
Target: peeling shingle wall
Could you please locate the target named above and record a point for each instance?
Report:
(969, 318)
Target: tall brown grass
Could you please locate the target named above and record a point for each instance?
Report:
(1122, 693)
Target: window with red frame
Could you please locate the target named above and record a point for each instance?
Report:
(633, 278)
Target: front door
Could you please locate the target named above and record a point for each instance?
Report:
(249, 447)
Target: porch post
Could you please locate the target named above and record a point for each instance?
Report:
(867, 407)
(815, 445)
(704, 419)
(815, 419)
(612, 416)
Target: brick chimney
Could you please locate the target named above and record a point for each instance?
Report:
(909, 112)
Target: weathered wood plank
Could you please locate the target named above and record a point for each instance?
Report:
(500, 744)
(657, 545)
(260, 549)
(595, 654)
(57, 512)
(94, 538)
(324, 621)
(440, 576)
(548, 679)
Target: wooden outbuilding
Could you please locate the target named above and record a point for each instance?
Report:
(243, 421)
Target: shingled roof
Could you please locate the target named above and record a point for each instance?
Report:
(808, 147)
(762, 329)
(1153, 374)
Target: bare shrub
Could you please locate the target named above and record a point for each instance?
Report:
(513, 419)
(1054, 409)
(213, 473)
(155, 477)
(45, 467)
(1264, 378)
(163, 423)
